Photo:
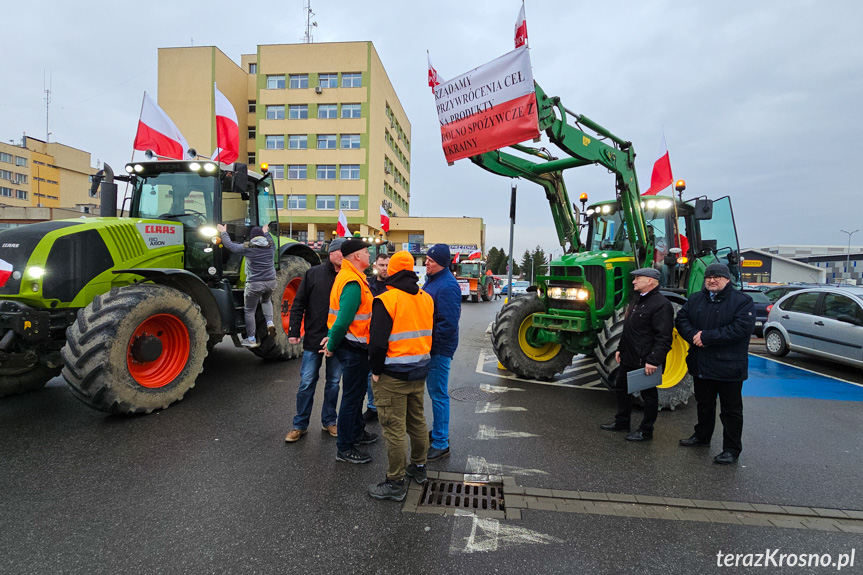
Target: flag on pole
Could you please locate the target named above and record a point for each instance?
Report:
(661, 177)
(227, 130)
(158, 133)
(520, 28)
(475, 255)
(5, 272)
(385, 220)
(342, 226)
(455, 259)
(434, 77)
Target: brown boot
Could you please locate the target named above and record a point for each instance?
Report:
(331, 428)
(295, 435)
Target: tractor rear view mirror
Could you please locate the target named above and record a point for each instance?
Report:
(703, 209)
(240, 180)
(708, 246)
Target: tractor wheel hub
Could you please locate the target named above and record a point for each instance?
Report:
(146, 348)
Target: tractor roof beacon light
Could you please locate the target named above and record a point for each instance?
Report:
(265, 167)
(680, 185)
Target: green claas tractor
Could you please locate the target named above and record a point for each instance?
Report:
(127, 308)
(474, 282)
(581, 297)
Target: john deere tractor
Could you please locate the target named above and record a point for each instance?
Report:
(581, 298)
(127, 308)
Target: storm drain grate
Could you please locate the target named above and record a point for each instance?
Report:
(462, 495)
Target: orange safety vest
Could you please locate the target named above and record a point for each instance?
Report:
(358, 331)
(413, 319)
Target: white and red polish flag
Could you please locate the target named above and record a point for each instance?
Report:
(661, 177)
(385, 220)
(5, 272)
(227, 130)
(475, 255)
(158, 133)
(342, 226)
(488, 108)
(434, 77)
(520, 28)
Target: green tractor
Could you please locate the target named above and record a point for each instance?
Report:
(128, 308)
(581, 298)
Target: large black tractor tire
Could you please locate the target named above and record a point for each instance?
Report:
(682, 385)
(487, 291)
(135, 349)
(510, 338)
(288, 278)
(23, 379)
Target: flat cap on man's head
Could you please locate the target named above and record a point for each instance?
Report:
(717, 270)
(353, 245)
(651, 273)
(335, 245)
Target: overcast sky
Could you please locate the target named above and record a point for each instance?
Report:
(758, 100)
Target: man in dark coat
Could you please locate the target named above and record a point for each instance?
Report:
(718, 322)
(644, 343)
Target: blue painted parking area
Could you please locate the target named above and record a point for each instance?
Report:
(774, 379)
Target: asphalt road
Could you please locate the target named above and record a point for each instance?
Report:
(210, 486)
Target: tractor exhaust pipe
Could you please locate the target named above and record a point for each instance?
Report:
(108, 205)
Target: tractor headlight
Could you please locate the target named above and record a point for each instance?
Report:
(35, 272)
(663, 204)
(582, 295)
(208, 167)
(195, 167)
(572, 294)
(555, 293)
(208, 231)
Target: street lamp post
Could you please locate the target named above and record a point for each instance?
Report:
(848, 254)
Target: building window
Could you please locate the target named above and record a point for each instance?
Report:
(5, 175)
(280, 202)
(349, 202)
(298, 111)
(253, 68)
(275, 112)
(296, 202)
(19, 161)
(276, 82)
(350, 141)
(326, 172)
(252, 133)
(278, 172)
(320, 236)
(4, 157)
(251, 159)
(326, 111)
(349, 172)
(351, 110)
(299, 81)
(352, 80)
(298, 142)
(21, 194)
(252, 106)
(297, 172)
(6, 192)
(325, 202)
(19, 179)
(275, 142)
(326, 141)
(303, 236)
(328, 80)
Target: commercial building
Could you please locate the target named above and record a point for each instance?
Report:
(42, 181)
(803, 263)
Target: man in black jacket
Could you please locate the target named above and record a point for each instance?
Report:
(312, 303)
(718, 322)
(644, 343)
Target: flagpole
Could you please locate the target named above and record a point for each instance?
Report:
(132, 159)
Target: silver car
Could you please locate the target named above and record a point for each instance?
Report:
(826, 322)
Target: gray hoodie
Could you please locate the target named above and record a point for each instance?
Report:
(259, 253)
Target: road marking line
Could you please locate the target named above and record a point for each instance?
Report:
(497, 388)
(485, 535)
(479, 466)
(487, 407)
(807, 370)
(487, 432)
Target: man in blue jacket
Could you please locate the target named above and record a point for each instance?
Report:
(718, 322)
(442, 286)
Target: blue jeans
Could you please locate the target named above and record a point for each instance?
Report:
(309, 371)
(436, 382)
(371, 394)
(355, 377)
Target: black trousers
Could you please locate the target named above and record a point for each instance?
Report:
(624, 402)
(730, 395)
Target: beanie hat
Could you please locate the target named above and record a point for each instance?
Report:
(652, 273)
(336, 245)
(256, 232)
(353, 245)
(440, 254)
(399, 262)
(717, 270)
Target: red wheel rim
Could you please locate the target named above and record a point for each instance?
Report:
(174, 336)
(287, 301)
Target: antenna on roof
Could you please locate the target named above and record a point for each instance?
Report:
(46, 84)
(307, 7)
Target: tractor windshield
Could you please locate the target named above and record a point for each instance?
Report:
(186, 197)
(606, 230)
(471, 270)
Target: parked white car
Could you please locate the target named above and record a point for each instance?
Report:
(520, 288)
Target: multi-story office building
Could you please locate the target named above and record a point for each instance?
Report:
(324, 117)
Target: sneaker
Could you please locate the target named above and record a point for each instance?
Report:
(366, 438)
(332, 429)
(435, 453)
(353, 456)
(418, 472)
(389, 489)
(370, 415)
(271, 329)
(250, 342)
(295, 435)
